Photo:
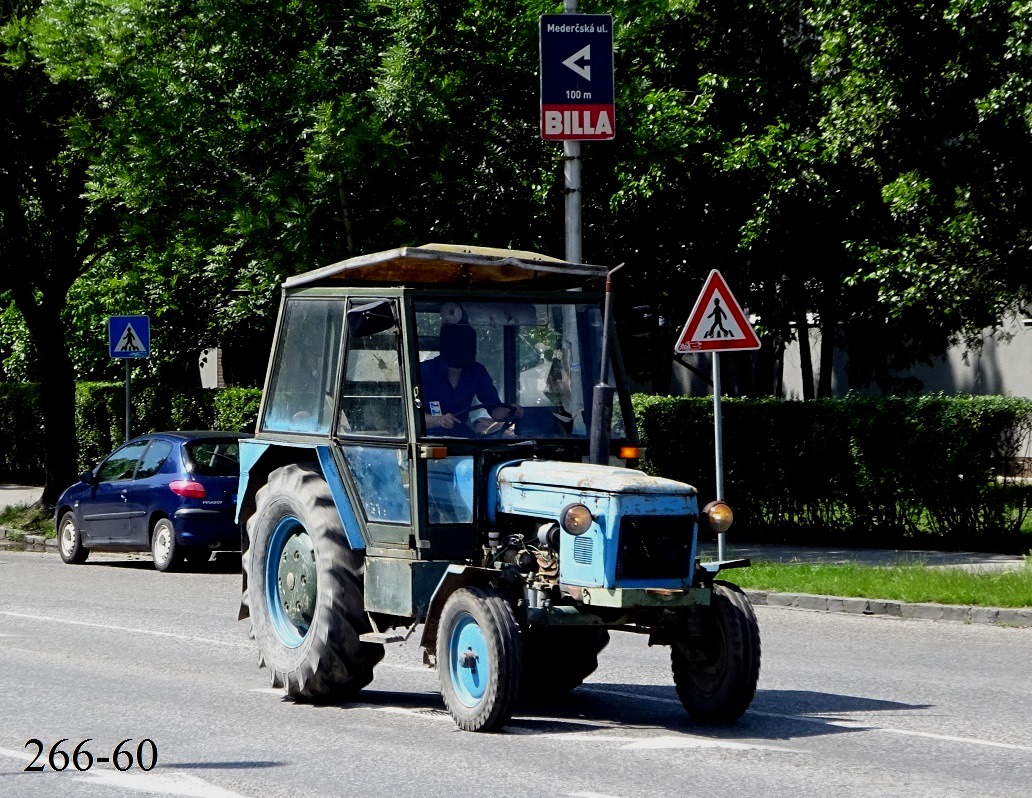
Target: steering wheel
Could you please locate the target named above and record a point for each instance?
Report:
(496, 428)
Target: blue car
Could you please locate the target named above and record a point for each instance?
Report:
(170, 493)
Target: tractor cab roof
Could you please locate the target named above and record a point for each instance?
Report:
(453, 265)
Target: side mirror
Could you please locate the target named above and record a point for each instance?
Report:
(372, 318)
(87, 477)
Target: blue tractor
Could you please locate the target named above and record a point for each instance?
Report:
(445, 444)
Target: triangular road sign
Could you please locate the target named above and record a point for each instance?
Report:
(130, 341)
(717, 322)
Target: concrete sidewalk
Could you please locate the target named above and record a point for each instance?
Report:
(968, 560)
(15, 495)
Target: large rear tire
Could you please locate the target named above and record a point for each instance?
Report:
(479, 659)
(304, 590)
(716, 671)
(557, 659)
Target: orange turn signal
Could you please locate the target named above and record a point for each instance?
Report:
(630, 453)
(433, 452)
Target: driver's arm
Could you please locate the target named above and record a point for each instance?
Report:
(487, 394)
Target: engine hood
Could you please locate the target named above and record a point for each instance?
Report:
(586, 476)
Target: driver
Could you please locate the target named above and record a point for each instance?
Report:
(451, 381)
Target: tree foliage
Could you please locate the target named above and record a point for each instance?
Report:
(850, 164)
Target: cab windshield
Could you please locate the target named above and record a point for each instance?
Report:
(509, 369)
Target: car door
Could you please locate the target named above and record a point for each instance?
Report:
(149, 491)
(107, 513)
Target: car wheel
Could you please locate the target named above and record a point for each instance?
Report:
(166, 552)
(479, 659)
(716, 669)
(304, 592)
(70, 541)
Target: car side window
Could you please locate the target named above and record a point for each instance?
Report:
(122, 463)
(153, 459)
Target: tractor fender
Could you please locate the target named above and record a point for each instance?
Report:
(455, 577)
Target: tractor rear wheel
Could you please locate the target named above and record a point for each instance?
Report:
(479, 659)
(557, 659)
(716, 671)
(304, 590)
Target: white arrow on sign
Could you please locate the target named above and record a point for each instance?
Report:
(571, 62)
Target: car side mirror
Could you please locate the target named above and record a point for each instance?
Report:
(371, 318)
(87, 477)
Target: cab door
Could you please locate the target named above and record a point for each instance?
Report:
(371, 423)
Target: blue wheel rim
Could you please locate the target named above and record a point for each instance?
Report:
(288, 632)
(468, 638)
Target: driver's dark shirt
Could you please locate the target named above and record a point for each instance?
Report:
(473, 381)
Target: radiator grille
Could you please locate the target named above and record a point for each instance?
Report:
(582, 550)
(655, 547)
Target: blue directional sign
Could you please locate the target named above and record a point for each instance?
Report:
(577, 96)
(129, 336)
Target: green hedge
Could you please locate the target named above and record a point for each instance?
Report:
(21, 433)
(863, 470)
(100, 419)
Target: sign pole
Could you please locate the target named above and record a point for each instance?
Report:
(717, 324)
(127, 422)
(572, 174)
(718, 443)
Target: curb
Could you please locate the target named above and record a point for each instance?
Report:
(25, 541)
(963, 613)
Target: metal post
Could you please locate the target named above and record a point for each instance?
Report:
(572, 174)
(718, 442)
(127, 422)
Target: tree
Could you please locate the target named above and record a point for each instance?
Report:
(49, 233)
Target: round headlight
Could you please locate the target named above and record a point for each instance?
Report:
(575, 519)
(718, 516)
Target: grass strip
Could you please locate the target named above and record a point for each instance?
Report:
(909, 583)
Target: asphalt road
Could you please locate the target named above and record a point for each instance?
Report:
(846, 706)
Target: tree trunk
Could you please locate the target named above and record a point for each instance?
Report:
(57, 393)
(805, 358)
(829, 326)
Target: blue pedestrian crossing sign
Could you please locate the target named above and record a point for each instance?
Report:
(129, 336)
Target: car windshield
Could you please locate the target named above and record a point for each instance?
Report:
(540, 357)
(214, 457)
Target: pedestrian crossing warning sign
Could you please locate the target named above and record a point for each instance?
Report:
(129, 336)
(717, 322)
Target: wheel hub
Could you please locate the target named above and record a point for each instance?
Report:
(296, 582)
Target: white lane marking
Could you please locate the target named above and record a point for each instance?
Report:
(182, 784)
(844, 724)
(588, 795)
(110, 627)
(687, 741)
(171, 784)
(668, 742)
(861, 726)
(16, 754)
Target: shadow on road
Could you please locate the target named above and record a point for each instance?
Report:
(774, 714)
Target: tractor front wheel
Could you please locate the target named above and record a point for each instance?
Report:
(479, 659)
(717, 666)
(304, 590)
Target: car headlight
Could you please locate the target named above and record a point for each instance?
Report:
(718, 516)
(575, 519)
